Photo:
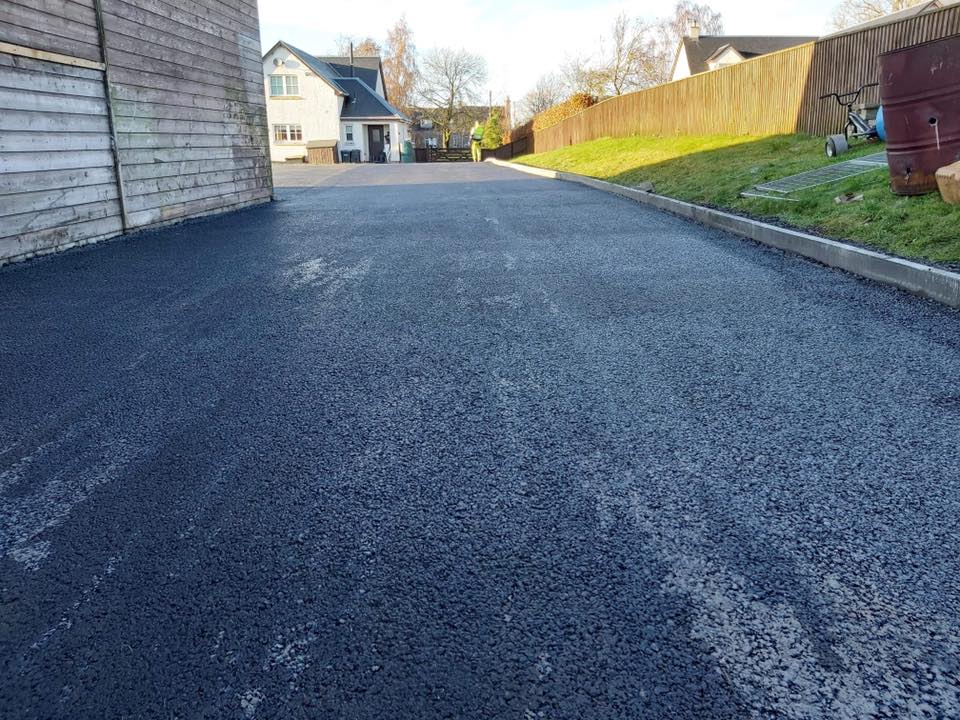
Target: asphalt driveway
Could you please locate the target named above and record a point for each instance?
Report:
(454, 442)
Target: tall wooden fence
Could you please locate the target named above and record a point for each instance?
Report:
(769, 95)
(121, 114)
(845, 62)
(510, 150)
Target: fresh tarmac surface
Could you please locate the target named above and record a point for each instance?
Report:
(455, 442)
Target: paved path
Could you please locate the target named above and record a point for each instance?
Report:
(453, 442)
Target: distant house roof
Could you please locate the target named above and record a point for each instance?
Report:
(703, 49)
(365, 103)
(905, 14)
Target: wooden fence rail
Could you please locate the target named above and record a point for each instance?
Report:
(769, 95)
(449, 155)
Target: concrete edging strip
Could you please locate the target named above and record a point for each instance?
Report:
(924, 280)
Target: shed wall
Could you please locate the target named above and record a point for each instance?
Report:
(189, 106)
(57, 181)
(68, 27)
(186, 90)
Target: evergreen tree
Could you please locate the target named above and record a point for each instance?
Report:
(493, 130)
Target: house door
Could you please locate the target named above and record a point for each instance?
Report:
(375, 141)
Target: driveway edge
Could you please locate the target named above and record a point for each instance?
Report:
(924, 280)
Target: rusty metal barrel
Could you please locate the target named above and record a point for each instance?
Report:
(920, 92)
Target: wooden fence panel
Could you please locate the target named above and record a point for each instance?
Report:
(756, 97)
(769, 95)
(449, 155)
(845, 62)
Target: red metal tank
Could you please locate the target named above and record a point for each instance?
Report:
(920, 92)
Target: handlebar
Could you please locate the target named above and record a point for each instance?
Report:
(842, 98)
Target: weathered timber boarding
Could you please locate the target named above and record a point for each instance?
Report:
(769, 95)
(57, 181)
(189, 106)
(67, 27)
(181, 133)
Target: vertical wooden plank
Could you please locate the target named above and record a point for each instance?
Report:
(111, 119)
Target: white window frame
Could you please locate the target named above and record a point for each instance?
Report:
(290, 83)
(348, 133)
(284, 133)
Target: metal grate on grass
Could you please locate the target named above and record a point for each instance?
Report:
(832, 173)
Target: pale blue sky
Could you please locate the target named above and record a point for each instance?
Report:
(520, 39)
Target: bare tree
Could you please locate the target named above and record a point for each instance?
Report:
(621, 65)
(687, 13)
(627, 55)
(547, 92)
(400, 66)
(584, 74)
(665, 36)
(854, 12)
(364, 47)
(449, 80)
(638, 54)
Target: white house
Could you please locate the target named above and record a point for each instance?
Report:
(335, 102)
(698, 53)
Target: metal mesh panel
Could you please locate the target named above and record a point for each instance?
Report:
(825, 175)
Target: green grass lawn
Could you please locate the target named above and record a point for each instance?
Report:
(713, 170)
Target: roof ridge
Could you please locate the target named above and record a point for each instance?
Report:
(330, 76)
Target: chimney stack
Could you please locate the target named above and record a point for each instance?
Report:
(694, 32)
(351, 59)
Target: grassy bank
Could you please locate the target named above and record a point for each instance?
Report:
(713, 170)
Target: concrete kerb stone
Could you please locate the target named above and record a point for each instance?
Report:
(924, 280)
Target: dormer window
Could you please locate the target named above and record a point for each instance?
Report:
(284, 85)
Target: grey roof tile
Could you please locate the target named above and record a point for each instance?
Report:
(365, 103)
